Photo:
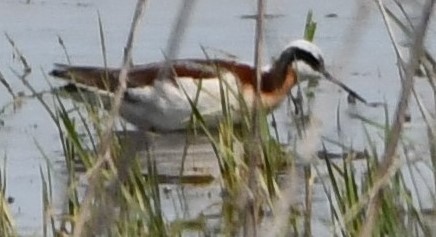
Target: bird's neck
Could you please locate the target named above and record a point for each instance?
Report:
(277, 77)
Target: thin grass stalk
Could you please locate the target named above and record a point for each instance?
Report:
(180, 24)
(432, 145)
(223, 149)
(27, 69)
(427, 61)
(254, 146)
(191, 127)
(7, 225)
(45, 203)
(308, 197)
(103, 45)
(394, 135)
(104, 153)
(309, 34)
(5, 83)
(223, 146)
(173, 46)
(54, 116)
(64, 48)
(176, 36)
(282, 206)
(338, 198)
(87, 128)
(274, 125)
(413, 220)
(47, 193)
(156, 224)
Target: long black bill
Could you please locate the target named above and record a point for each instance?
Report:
(352, 93)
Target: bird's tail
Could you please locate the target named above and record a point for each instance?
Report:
(91, 78)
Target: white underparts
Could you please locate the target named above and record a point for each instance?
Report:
(165, 106)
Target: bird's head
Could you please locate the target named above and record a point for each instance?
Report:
(306, 60)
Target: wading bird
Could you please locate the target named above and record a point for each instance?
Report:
(163, 101)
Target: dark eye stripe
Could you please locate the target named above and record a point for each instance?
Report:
(293, 54)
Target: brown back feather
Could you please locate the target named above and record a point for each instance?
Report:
(144, 75)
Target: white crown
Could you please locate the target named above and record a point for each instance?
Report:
(306, 46)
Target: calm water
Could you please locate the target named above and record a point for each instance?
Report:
(355, 44)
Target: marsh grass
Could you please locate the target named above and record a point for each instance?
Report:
(123, 189)
(7, 225)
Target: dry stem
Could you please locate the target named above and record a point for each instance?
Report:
(394, 135)
(254, 146)
(104, 153)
